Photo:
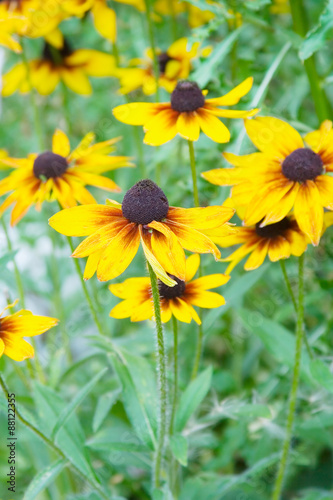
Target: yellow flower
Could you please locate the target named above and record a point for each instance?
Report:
(59, 175)
(186, 114)
(279, 241)
(285, 175)
(33, 19)
(174, 65)
(280, 7)
(177, 300)
(21, 324)
(196, 16)
(115, 231)
(70, 67)
(6, 37)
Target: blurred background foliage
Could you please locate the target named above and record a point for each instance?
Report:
(98, 404)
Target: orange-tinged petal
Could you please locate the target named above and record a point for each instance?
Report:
(309, 212)
(25, 324)
(188, 126)
(60, 143)
(118, 255)
(83, 220)
(192, 266)
(162, 128)
(130, 288)
(257, 256)
(266, 199)
(201, 217)
(273, 136)
(279, 248)
(298, 242)
(193, 240)
(165, 311)
(76, 80)
(180, 310)
(91, 264)
(137, 113)
(239, 254)
(212, 126)
(101, 238)
(96, 180)
(124, 309)
(167, 250)
(2, 347)
(283, 207)
(234, 96)
(324, 185)
(143, 311)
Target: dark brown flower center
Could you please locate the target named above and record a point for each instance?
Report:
(302, 165)
(56, 56)
(49, 165)
(163, 60)
(170, 292)
(187, 96)
(273, 230)
(145, 202)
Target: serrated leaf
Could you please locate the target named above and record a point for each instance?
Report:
(178, 445)
(77, 400)
(104, 405)
(317, 37)
(192, 397)
(44, 478)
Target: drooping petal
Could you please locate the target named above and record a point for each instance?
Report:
(118, 255)
(298, 242)
(324, 185)
(188, 126)
(83, 220)
(16, 348)
(257, 256)
(180, 310)
(192, 266)
(309, 212)
(91, 264)
(283, 207)
(279, 248)
(201, 217)
(212, 126)
(105, 20)
(167, 250)
(162, 128)
(76, 80)
(193, 240)
(101, 238)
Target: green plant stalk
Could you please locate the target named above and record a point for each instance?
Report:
(20, 290)
(162, 380)
(85, 289)
(292, 296)
(32, 94)
(175, 374)
(198, 352)
(295, 382)
(322, 105)
(194, 174)
(49, 443)
(65, 100)
(153, 47)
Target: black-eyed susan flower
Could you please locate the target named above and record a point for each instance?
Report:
(186, 114)
(178, 300)
(174, 64)
(72, 67)
(279, 241)
(196, 16)
(115, 231)
(6, 37)
(59, 175)
(285, 175)
(33, 19)
(18, 325)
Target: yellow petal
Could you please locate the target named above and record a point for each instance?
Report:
(324, 184)
(192, 266)
(13, 79)
(101, 238)
(212, 126)
(273, 136)
(201, 217)
(60, 143)
(180, 310)
(105, 20)
(25, 324)
(83, 220)
(16, 348)
(76, 80)
(234, 96)
(309, 212)
(119, 253)
(279, 248)
(137, 113)
(298, 242)
(207, 300)
(167, 249)
(162, 128)
(91, 264)
(257, 256)
(193, 240)
(188, 126)
(266, 200)
(207, 282)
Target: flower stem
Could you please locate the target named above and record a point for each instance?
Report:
(197, 353)
(51, 444)
(194, 174)
(295, 382)
(162, 380)
(65, 100)
(32, 94)
(292, 296)
(175, 374)
(85, 290)
(322, 105)
(153, 46)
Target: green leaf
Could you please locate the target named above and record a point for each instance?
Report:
(118, 446)
(178, 445)
(104, 405)
(138, 394)
(192, 397)
(206, 70)
(69, 409)
(317, 37)
(44, 478)
(253, 411)
(322, 374)
(8, 257)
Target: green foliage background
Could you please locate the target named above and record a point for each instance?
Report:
(100, 406)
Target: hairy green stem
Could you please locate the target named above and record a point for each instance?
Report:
(37, 120)
(49, 443)
(292, 296)
(175, 374)
(322, 105)
(153, 46)
(85, 290)
(194, 174)
(162, 380)
(294, 386)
